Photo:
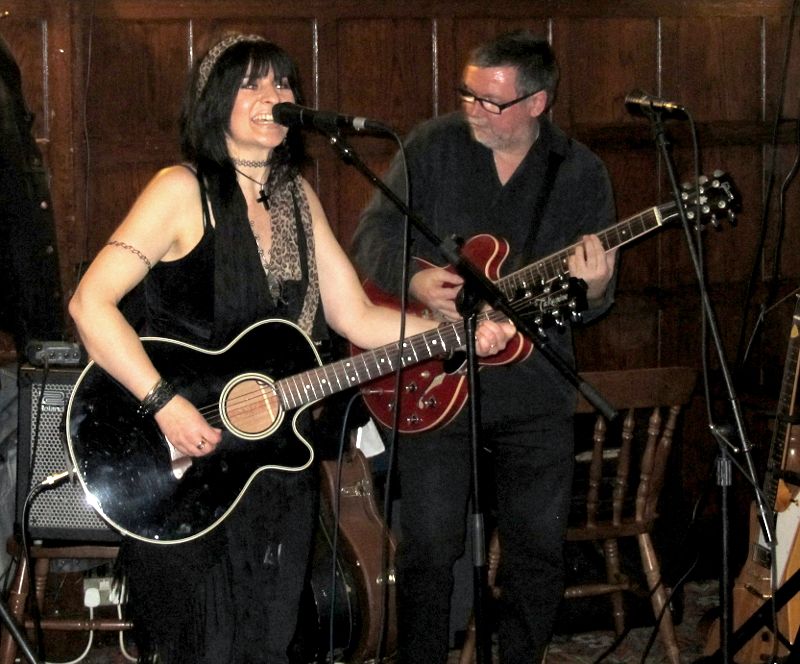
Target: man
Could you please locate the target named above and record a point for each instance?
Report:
(30, 288)
(500, 167)
(30, 292)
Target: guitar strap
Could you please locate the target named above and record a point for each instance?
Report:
(543, 197)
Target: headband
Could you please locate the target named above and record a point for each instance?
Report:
(210, 60)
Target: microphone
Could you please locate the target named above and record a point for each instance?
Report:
(291, 115)
(640, 103)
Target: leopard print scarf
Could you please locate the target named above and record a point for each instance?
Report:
(284, 264)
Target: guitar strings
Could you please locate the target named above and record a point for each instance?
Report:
(270, 395)
(240, 405)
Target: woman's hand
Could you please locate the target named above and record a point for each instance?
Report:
(491, 337)
(186, 429)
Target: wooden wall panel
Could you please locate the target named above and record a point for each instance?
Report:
(601, 61)
(146, 58)
(635, 190)
(386, 69)
(784, 229)
(716, 79)
(113, 71)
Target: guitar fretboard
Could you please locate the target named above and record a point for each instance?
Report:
(784, 411)
(554, 266)
(315, 384)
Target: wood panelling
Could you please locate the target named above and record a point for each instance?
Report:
(105, 79)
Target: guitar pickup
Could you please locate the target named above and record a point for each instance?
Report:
(761, 555)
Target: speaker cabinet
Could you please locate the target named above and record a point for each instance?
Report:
(61, 512)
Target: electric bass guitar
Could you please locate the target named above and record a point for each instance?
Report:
(141, 485)
(433, 393)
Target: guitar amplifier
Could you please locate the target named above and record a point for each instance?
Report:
(60, 512)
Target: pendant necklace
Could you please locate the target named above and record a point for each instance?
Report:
(263, 196)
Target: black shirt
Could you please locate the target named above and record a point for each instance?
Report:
(456, 190)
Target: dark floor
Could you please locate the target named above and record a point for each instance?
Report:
(699, 599)
(567, 648)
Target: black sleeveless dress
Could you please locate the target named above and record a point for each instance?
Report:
(232, 595)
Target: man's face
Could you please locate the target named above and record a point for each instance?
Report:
(514, 129)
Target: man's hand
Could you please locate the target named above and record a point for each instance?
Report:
(437, 288)
(593, 264)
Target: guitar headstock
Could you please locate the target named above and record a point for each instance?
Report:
(562, 299)
(710, 199)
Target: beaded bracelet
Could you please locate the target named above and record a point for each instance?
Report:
(156, 398)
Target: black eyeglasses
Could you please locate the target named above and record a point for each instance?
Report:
(491, 106)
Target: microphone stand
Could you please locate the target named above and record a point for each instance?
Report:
(477, 288)
(724, 460)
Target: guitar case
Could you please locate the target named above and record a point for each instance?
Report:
(359, 599)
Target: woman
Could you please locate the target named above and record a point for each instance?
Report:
(232, 236)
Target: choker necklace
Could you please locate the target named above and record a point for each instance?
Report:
(263, 196)
(250, 163)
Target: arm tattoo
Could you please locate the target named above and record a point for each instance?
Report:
(133, 250)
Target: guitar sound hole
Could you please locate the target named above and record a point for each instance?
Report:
(251, 407)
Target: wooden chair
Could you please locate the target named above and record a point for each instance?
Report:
(618, 483)
(41, 555)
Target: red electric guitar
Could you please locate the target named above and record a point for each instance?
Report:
(435, 391)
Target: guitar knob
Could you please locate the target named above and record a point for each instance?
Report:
(410, 388)
(413, 419)
(429, 402)
(392, 577)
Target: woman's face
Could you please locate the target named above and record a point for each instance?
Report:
(252, 130)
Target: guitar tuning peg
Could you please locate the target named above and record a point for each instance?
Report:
(702, 179)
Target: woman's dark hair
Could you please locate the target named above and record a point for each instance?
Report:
(531, 55)
(215, 81)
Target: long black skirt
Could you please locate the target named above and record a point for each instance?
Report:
(233, 594)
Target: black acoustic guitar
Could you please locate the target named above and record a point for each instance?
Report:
(141, 485)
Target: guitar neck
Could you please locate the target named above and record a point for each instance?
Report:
(554, 266)
(315, 384)
(785, 410)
